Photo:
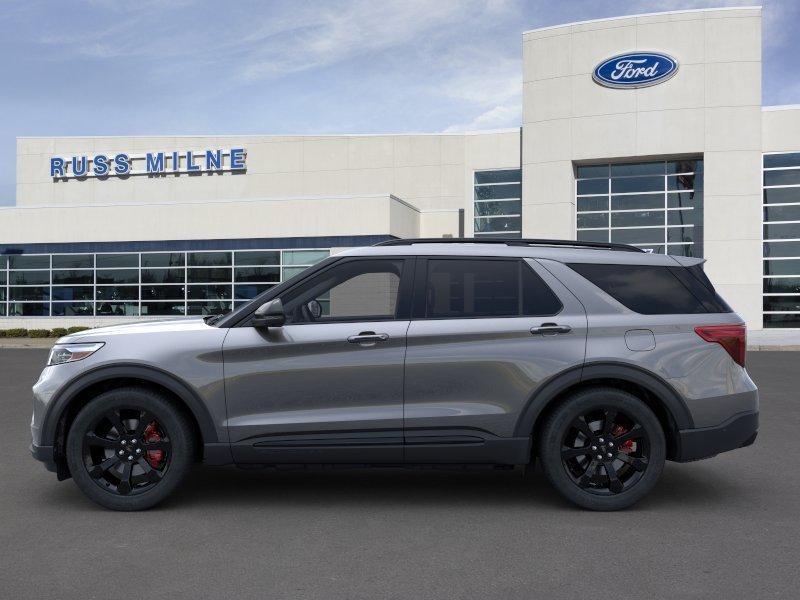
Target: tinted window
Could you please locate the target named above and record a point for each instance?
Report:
(701, 287)
(163, 259)
(359, 290)
(538, 300)
(485, 288)
(114, 261)
(73, 261)
(654, 290)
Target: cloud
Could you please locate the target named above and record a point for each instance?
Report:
(334, 33)
(497, 117)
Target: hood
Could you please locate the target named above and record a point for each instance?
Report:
(180, 324)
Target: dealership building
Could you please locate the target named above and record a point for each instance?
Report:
(646, 130)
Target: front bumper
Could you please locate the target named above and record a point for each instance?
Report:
(737, 432)
(45, 455)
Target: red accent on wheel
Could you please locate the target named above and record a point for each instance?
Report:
(151, 434)
(627, 446)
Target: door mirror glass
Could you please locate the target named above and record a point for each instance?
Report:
(269, 314)
(314, 309)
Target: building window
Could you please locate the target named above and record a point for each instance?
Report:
(498, 203)
(781, 301)
(657, 206)
(129, 284)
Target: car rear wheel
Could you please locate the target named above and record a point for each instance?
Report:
(129, 448)
(603, 449)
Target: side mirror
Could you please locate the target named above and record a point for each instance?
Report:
(315, 309)
(269, 314)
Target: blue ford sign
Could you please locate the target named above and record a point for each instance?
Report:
(635, 70)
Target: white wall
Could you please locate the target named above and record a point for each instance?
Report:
(712, 107)
(269, 218)
(429, 171)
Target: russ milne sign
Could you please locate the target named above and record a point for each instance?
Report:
(122, 164)
(635, 70)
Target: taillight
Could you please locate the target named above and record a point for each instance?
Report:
(731, 337)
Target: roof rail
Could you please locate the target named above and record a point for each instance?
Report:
(512, 242)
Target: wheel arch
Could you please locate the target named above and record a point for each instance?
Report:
(78, 392)
(661, 397)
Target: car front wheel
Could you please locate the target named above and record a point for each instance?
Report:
(603, 449)
(129, 448)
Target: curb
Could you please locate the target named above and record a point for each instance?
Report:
(27, 343)
(773, 348)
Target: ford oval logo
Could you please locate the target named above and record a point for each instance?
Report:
(635, 70)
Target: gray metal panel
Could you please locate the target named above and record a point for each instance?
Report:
(308, 378)
(188, 350)
(698, 370)
(481, 373)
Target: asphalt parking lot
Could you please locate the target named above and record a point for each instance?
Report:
(728, 527)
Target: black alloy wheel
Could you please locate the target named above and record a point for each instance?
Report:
(127, 451)
(602, 448)
(605, 451)
(129, 448)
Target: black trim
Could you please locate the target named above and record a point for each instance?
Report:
(443, 446)
(375, 447)
(72, 388)
(737, 432)
(511, 242)
(426, 448)
(217, 454)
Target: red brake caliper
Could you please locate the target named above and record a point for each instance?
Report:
(154, 457)
(628, 445)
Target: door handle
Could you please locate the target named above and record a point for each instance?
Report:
(368, 338)
(551, 329)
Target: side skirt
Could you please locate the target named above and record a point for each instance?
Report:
(384, 448)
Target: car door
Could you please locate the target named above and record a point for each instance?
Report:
(327, 386)
(486, 333)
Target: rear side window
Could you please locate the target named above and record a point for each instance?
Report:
(654, 290)
(457, 288)
(699, 284)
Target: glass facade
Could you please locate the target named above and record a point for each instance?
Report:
(143, 283)
(498, 203)
(781, 300)
(657, 206)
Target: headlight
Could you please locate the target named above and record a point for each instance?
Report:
(71, 352)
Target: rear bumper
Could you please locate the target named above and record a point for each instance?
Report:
(44, 454)
(737, 432)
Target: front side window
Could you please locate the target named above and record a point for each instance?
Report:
(357, 290)
(458, 289)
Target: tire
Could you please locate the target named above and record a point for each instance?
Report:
(602, 449)
(141, 467)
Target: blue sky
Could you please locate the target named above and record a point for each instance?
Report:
(105, 67)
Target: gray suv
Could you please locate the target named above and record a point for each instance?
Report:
(600, 360)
